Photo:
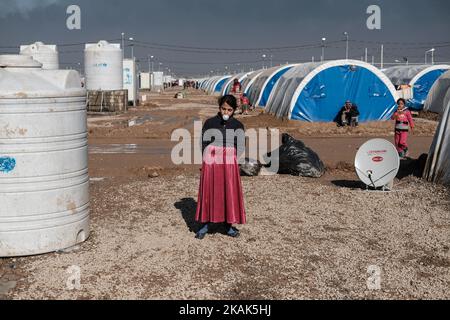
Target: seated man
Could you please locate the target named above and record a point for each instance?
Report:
(348, 115)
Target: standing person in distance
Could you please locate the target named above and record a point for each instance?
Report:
(403, 123)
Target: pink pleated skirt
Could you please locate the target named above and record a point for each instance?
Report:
(220, 197)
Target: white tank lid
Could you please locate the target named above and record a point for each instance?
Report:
(102, 45)
(23, 77)
(18, 61)
(39, 47)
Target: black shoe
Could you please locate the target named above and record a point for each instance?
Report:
(234, 233)
(200, 236)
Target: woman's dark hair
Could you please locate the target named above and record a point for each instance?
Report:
(401, 99)
(230, 100)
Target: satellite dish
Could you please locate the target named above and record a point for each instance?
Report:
(377, 163)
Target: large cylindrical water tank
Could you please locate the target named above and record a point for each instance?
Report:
(46, 54)
(44, 182)
(103, 66)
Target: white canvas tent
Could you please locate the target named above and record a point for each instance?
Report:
(264, 83)
(437, 168)
(439, 95)
(420, 78)
(316, 91)
(215, 84)
(226, 89)
(248, 82)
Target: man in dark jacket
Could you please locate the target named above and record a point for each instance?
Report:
(348, 115)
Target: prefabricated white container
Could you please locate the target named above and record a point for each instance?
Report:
(144, 80)
(46, 54)
(103, 66)
(158, 79)
(130, 78)
(44, 182)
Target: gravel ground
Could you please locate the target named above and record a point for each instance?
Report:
(305, 239)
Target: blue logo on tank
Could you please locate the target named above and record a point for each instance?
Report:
(7, 164)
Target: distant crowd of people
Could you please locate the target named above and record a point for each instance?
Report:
(191, 84)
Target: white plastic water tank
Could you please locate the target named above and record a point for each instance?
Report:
(43, 53)
(44, 182)
(103, 66)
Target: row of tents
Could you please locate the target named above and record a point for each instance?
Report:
(315, 92)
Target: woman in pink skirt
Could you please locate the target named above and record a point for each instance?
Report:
(220, 198)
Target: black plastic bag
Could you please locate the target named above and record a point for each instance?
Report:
(250, 168)
(297, 159)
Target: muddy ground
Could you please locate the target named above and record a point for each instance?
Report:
(305, 238)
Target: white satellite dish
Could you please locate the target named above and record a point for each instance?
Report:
(377, 163)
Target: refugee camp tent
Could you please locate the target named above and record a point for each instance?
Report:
(420, 78)
(248, 82)
(211, 83)
(263, 85)
(439, 95)
(201, 83)
(217, 84)
(316, 91)
(206, 83)
(437, 168)
(229, 84)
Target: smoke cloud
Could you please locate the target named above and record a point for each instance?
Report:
(23, 7)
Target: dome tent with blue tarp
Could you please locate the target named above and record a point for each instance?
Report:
(226, 89)
(316, 92)
(264, 84)
(420, 79)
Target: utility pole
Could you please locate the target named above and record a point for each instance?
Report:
(123, 46)
(346, 46)
(132, 48)
(323, 48)
(148, 63)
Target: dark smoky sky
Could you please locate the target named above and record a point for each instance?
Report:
(165, 28)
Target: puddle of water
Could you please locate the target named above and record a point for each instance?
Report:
(127, 149)
(139, 121)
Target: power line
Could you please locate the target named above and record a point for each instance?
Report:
(230, 63)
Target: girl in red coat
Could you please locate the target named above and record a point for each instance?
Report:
(403, 123)
(220, 197)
